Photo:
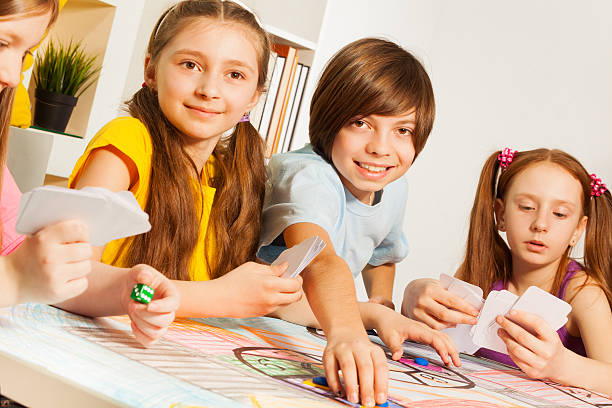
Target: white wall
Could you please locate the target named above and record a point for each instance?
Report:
(522, 74)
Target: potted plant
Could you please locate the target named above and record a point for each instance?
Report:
(61, 74)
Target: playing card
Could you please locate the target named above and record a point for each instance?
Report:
(541, 303)
(300, 255)
(484, 333)
(108, 215)
(470, 293)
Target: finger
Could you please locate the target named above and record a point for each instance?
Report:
(166, 304)
(65, 232)
(156, 320)
(381, 375)
(453, 301)
(75, 270)
(284, 285)
(364, 360)
(150, 330)
(346, 362)
(141, 337)
(532, 323)
(330, 366)
(75, 252)
(395, 346)
(73, 288)
(453, 352)
(430, 321)
(278, 270)
(446, 315)
(519, 334)
(521, 356)
(284, 299)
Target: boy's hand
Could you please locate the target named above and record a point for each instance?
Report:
(150, 321)
(381, 300)
(533, 345)
(393, 329)
(425, 300)
(52, 265)
(363, 364)
(258, 290)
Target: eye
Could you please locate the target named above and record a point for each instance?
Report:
(559, 214)
(526, 207)
(190, 65)
(404, 131)
(359, 124)
(236, 75)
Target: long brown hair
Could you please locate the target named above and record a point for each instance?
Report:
(488, 258)
(12, 9)
(238, 176)
(370, 76)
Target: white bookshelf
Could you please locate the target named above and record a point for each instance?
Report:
(118, 31)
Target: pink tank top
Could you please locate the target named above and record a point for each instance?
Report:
(9, 207)
(570, 342)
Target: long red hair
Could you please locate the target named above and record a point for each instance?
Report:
(487, 256)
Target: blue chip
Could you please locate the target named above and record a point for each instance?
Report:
(384, 404)
(421, 361)
(320, 381)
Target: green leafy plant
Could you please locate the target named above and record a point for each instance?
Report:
(67, 70)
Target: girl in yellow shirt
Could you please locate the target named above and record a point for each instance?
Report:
(193, 165)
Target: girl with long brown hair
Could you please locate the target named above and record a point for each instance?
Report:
(370, 116)
(543, 200)
(194, 164)
(54, 264)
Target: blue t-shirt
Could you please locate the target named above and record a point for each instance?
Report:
(303, 187)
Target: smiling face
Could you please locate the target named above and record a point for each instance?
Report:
(18, 34)
(206, 78)
(541, 213)
(371, 152)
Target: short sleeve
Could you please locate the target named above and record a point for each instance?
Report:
(298, 191)
(394, 247)
(129, 136)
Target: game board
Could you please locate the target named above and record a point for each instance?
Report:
(258, 363)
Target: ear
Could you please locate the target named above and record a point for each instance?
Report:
(149, 72)
(253, 101)
(579, 230)
(499, 214)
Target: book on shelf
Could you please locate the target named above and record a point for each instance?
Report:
(284, 125)
(257, 112)
(296, 104)
(280, 105)
(268, 107)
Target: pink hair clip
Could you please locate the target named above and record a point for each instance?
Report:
(597, 187)
(506, 157)
(245, 118)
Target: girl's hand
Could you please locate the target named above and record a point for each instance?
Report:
(150, 321)
(393, 329)
(364, 367)
(425, 300)
(533, 345)
(52, 265)
(256, 290)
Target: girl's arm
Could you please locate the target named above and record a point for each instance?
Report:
(329, 286)
(378, 282)
(542, 355)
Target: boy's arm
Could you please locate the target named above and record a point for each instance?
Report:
(378, 282)
(329, 286)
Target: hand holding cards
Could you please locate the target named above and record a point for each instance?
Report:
(468, 338)
(108, 215)
(300, 255)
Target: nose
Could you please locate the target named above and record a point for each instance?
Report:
(208, 86)
(10, 71)
(540, 223)
(378, 143)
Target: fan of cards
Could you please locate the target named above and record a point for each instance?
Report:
(108, 215)
(469, 338)
(300, 255)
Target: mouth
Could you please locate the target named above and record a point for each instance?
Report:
(203, 110)
(536, 246)
(373, 168)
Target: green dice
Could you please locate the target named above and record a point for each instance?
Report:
(142, 293)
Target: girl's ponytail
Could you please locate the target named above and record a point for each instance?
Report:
(240, 186)
(487, 257)
(598, 242)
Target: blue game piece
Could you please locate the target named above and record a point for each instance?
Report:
(421, 361)
(384, 404)
(320, 381)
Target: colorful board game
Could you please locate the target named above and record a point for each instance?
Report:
(257, 363)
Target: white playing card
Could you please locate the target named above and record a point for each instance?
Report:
(470, 293)
(108, 215)
(541, 303)
(484, 333)
(300, 255)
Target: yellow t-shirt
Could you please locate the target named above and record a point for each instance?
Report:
(130, 136)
